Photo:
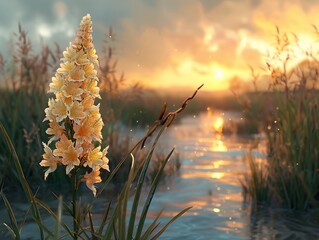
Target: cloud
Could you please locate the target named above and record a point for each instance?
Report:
(156, 38)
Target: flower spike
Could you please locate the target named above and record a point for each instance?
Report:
(75, 122)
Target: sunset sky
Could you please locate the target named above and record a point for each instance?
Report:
(167, 43)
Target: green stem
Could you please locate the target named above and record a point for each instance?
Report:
(74, 203)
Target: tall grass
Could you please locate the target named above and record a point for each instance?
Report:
(289, 178)
(23, 98)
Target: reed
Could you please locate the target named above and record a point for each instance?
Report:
(289, 178)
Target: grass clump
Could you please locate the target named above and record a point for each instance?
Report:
(289, 176)
(23, 98)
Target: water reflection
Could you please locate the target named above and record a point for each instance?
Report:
(266, 223)
(209, 182)
(218, 124)
(217, 144)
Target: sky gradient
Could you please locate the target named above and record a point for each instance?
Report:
(181, 43)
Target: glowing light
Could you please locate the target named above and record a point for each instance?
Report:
(217, 175)
(44, 31)
(218, 125)
(219, 74)
(216, 210)
(218, 146)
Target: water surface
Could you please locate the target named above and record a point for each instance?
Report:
(208, 181)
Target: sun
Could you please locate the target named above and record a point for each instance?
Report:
(219, 74)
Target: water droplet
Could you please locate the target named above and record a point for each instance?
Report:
(269, 127)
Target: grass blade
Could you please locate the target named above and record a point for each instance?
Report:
(14, 225)
(108, 232)
(49, 210)
(59, 218)
(158, 234)
(123, 200)
(152, 227)
(150, 196)
(140, 184)
(22, 179)
(103, 223)
(10, 231)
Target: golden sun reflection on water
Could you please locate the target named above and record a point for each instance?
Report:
(218, 124)
(208, 180)
(218, 145)
(215, 167)
(217, 175)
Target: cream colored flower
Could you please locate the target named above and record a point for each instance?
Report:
(89, 71)
(66, 68)
(76, 112)
(94, 159)
(105, 160)
(49, 160)
(69, 53)
(70, 158)
(59, 110)
(81, 58)
(56, 130)
(93, 89)
(73, 90)
(75, 122)
(48, 111)
(92, 56)
(88, 104)
(83, 132)
(92, 178)
(77, 75)
(57, 84)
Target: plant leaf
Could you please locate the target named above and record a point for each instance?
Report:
(150, 196)
(158, 234)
